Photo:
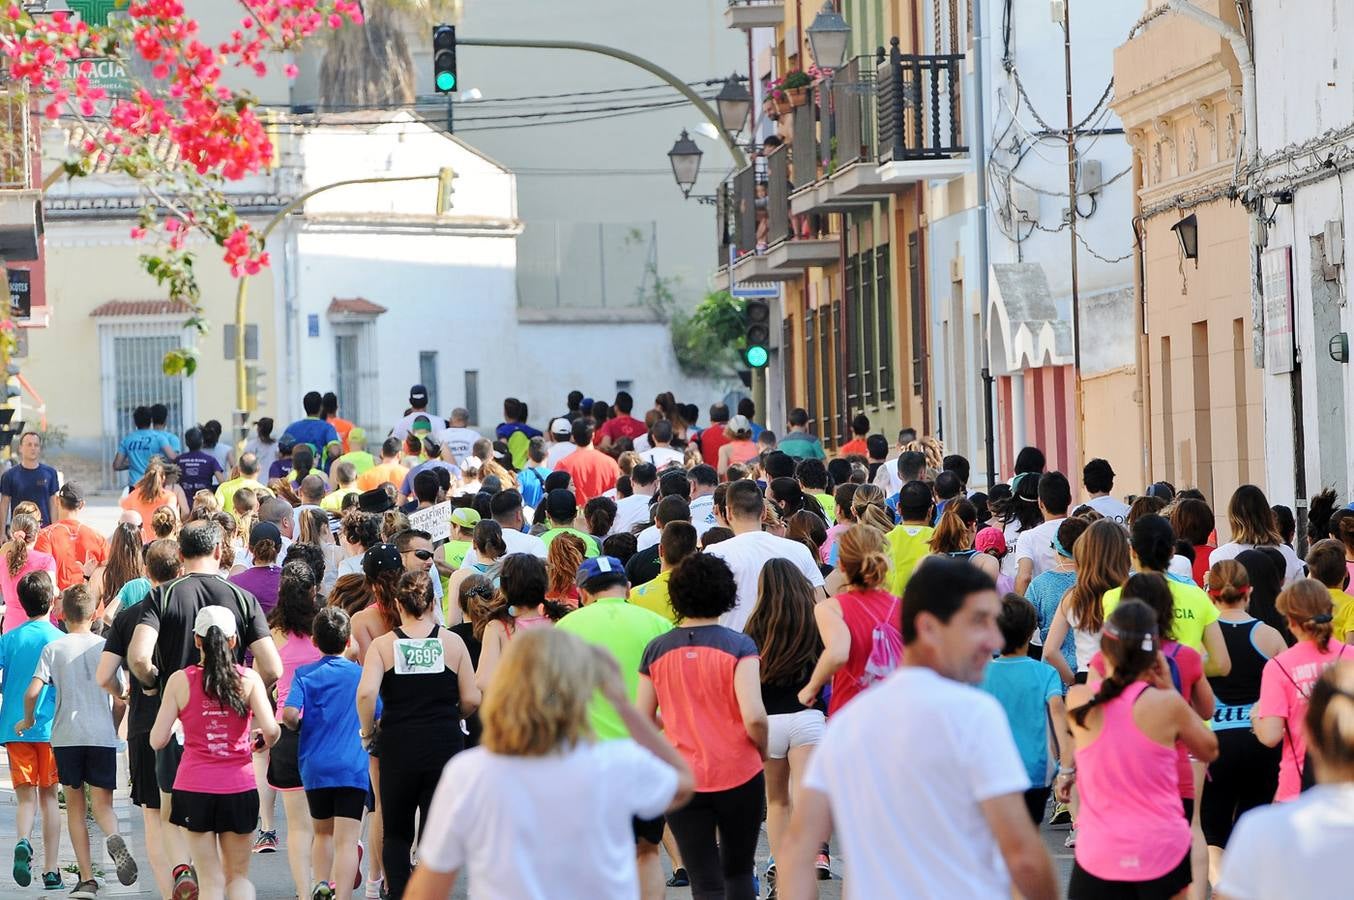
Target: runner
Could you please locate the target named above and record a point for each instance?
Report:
(560, 512)
(1098, 478)
(262, 446)
(739, 449)
(1102, 558)
(1034, 547)
(910, 541)
(782, 627)
(389, 471)
(219, 704)
(248, 478)
(418, 408)
(20, 558)
(78, 549)
(954, 535)
(198, 469)
(797, 441)
(135, 450)
(622, 425)
(1193, 522)
(1326, 563)
(1047, 590)
(566, 554)
(519, 604)
(329, 411)
(147, 495)
(458, 437)
(506, 509)
(591, 472)
(423, 676)
(211, 443)
(262, 578)
(126, 565)
(1251, 521)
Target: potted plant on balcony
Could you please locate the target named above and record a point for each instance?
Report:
(795, 84)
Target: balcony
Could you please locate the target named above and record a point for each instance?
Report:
(748, 14)
(760, 239)
(794, 241)
(920, 135)
(20, 206)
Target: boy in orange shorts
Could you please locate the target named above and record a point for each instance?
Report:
(32, 767)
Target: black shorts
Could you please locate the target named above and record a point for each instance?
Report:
(650, 830)
(1036, 801)
(1085, 886)
(284, 768)
(216, 813)
(94, 766)
(167, 765)
(141, 770)
(337, 803)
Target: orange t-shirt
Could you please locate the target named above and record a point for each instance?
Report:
(591, 472)
(855, 447)
(147, 510)
(379, 474)
(71, 543)
(343, 427)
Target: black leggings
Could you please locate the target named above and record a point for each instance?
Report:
(404, 791)
(1245, 775)
(717, 834)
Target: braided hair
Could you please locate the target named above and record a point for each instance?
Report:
(1129, 643)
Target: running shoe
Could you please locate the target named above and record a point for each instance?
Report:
(1062, 816)
(85, 890)
(266, 842)
(122, 858)
(375, 889)
(23, 859)
(1071, 842)
(823, 863)
(185, 883)
(771, 882)
(323, 890)
(357, 877)
(51, 881)
(679, 878)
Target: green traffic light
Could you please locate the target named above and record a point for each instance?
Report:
(446, 81)
(757, 357)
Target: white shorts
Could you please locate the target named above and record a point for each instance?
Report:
(790, 730)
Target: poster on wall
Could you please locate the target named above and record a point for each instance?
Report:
(1276, 271)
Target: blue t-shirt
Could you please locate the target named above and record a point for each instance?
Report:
(133, 592)
(315, 432)
(330, 750)
(407, 486)
(170, 438)
(38, 485)
(20, 651)
(196, 469)
(1046, 591)
(139, 447)
(531, 482)
(1023, 686)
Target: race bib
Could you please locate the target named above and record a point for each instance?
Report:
(419, 656)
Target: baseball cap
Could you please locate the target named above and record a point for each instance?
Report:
(990, 540)
(561, 428)
(71, 492)
(418, 394)
(608, 567)
(465, 517)
(286, 443)
(219, 616)
(357, 436)
(265, 531)
(561, 505)
(739, 425)
(421, 425)
(381, 558)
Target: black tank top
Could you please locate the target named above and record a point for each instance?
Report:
(419, 692)
(1238, 690)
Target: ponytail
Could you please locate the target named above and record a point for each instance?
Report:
(23, 532)
(953, 526)
(863, 557)
(220, 678)
(1129, 644)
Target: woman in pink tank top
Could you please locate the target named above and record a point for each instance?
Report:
(1132, 828)
(215, 800)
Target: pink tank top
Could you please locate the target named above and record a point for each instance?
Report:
(297, 651)
(217, 758)
(1132, 825)
(862, 611)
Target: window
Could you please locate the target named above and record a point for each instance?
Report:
(810, 364)
(826, 432)
(427, 376)
(347, 367)
(472, 395)
(870, 327)
(140, 379)
(852, 362)
(625, 385)
(787, 343)
(918, 324)
(1239, 369)
(883, 308)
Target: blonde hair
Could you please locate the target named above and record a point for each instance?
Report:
(867, 506)
(1304, 602)
(23, 531)
(1330, 719)
(165, 521)
(862, 555)
(538, 698)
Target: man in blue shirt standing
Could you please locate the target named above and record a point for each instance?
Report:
(312, 430)
(137, 448)
(159, 421)
(31, 479)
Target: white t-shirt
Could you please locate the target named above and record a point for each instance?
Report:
(650, 536)
(401, 429)
(516, 542)
(1036, 545)
(746, 554)
(1110, 508)
(887, 477)
(489, 811)
(958, 752)
(1292, 849)
(630, 511)
(659, 457)
(1293, 567)
(703, 513)
(459, 440)
(557, 452)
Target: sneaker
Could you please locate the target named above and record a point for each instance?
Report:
(51, 881)
(770, 880)
(1062, 816)
(122, 858)
(823, 863)
(357, 878)
(679, 878)
(266, 842)
(23, 859)
(375, 889)
(185, 882)
(86, 890)
(1071, 842)
(323, 890)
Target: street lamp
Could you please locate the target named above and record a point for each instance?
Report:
(828, 37)
(685, 157)
(1187, 232)
(734, 103)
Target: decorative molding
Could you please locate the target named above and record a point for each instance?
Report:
(1203, 111)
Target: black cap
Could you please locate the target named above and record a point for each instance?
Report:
(381, 558)
(561, 506)
(376, 500)
(71, 493)
(265, 531)
(418, 395)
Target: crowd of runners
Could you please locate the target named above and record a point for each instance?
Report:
(595, 661)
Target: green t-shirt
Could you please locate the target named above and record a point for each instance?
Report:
(908, 545)
(829, 505)
(801, 445)
(625, 630)
(591, 542)
(1193, 609)
(361, 460)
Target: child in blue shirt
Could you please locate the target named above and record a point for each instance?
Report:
(1031, 692)
(333, 762)
(32, 766)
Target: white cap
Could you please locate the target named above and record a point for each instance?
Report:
(219, 616)
(561, 428)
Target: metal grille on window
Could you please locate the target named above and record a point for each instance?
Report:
(918, 323)
(134, 376)
(836, 371)
(884, 305)
(810, 364)
(347, 366)
(851, 365)
(787, 343)
(870, 326)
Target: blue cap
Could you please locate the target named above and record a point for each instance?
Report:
(598, 567)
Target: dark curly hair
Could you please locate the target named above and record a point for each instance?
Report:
(295, 610)
(702, 587)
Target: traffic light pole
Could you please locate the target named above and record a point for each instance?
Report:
(740, 160)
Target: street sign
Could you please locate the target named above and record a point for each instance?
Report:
(20, 294)
(109, 74)
(752, 290)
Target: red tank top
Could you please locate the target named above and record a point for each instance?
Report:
(862, 611)
(217, 758)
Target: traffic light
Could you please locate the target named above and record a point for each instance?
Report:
(446, 186)
(444, 58)
(757, 337)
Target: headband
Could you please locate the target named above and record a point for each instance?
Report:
(1148, 640)
(1060, 549)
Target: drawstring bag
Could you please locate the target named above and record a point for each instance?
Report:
(886, 649)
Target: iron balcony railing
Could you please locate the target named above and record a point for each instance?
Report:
(778, 195)
(16, 145)
(920, 116)
(804, 141)
(851, 138)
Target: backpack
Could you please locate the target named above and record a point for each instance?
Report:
(1307, 771)
(1175, 670)
(886, 649)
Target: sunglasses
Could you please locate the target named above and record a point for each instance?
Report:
(424, 555)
